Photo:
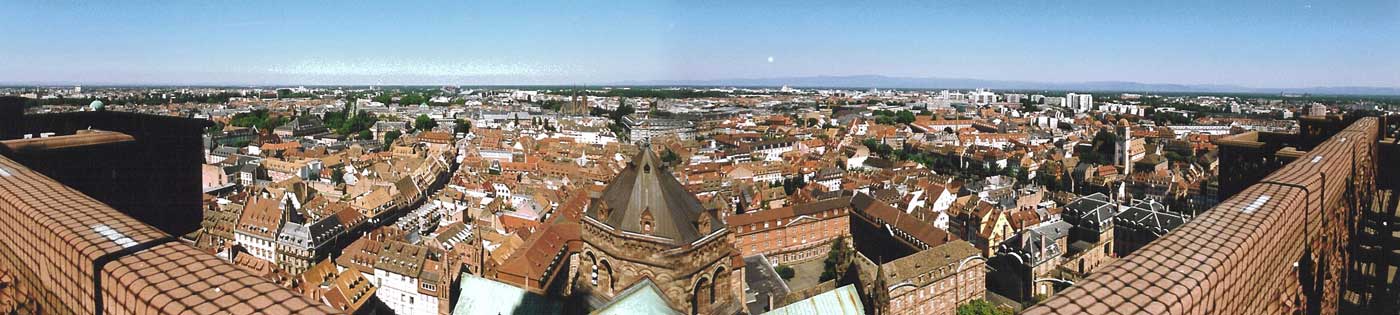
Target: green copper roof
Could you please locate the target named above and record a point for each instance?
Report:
(642, 298)
(481, 296)
(841, 301)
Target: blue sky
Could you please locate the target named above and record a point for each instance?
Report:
(1250, 43)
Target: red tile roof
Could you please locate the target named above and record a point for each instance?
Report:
(537, 258)
(260, 218)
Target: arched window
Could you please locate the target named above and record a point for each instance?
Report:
(713, 286)
(604, 277)
(699, 300)
(593, 264)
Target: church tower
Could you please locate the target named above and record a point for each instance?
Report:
(646, 226)
(879, 295)
(1123, 156)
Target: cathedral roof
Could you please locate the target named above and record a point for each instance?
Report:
(646, 199)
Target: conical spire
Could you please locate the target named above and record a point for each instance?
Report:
(646, 186)
(879, 292)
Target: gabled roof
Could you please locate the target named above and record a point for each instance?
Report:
(401, 258)
(352, 290)
(360, 255)
(1038, 244)
(908, 224)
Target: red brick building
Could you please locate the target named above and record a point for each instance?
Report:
(793, 234)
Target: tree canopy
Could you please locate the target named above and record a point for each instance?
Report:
(670, 157)
(390, 136)
(785, 272)
(338, 176)
(423, 122)
(887, 117)
(462, 126)
(837, 260)
(1103, 146)
(982, 307)
(341, 122)
(259, 118)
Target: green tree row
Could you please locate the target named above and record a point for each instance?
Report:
(341, 122)
(888, 117)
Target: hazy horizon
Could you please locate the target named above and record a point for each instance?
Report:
(1250, 44)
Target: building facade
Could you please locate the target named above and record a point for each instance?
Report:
(258, 227)
(791, 235)
(937, 280)
(407, 284)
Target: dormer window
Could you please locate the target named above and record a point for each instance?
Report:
(648, 224)
(703, 223)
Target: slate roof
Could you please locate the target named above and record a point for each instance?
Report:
(1092, 211)
(1030, 243)
(311, 235)
(302, 123)
(224, 151)
(763, 282)
(646, 185)
(1151, 216)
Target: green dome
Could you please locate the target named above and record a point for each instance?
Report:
(96, 105)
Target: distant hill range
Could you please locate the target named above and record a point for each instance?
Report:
(879, 81)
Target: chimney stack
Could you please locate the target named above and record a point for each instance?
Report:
(11, 117)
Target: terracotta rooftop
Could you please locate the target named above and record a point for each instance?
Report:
(360, 255)
(401, 258)
(260, 218)
(540, 256)
(945, 259)
(911, 227)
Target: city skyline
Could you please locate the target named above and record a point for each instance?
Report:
(890, 157)
(1251, 44)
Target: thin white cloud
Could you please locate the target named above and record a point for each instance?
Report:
(417, 68)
